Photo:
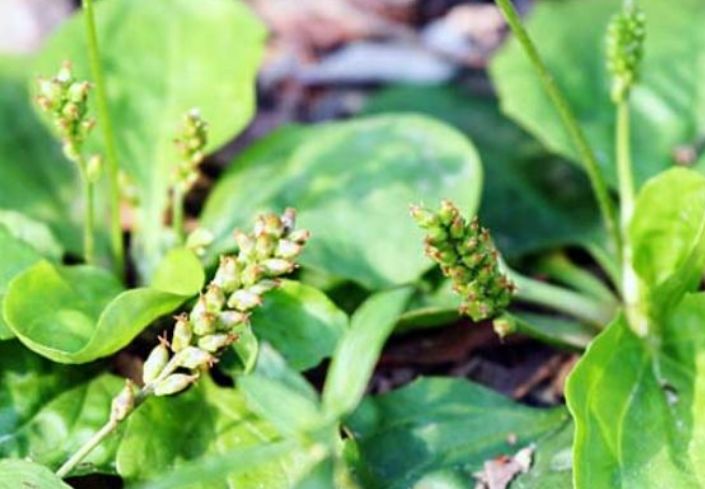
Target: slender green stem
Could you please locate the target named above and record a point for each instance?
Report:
(563, 300)
(561, 268)
(569, 120)
(177, 212)
(629, 283)
(87, 448)
(106, 126)
(89, 222)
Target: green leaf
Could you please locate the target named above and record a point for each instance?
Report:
(25, 474)
(17, 256)
(164, 435)
(552, 466)
(37, 180)
(47, 411)
(352, 183)
(275, 384)
(638, 405)
(359, 350)
(531, 200)
(81, 313)
(441, 423)
(666, 103)
(161, 58)
(301, 322)
(35, 233)
(668, 235)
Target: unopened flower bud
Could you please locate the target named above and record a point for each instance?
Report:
(227, 320)
(289, 219)
(78, 92)
(251, 274)
(423, 217)
(245, 244)
(278, 266)
(124, 402)
(272, 225)
(447, 213)
(214, 342)
(71, 151)
(264, 286)
(288, 249)
(244, 300)
(193, 358)
(299, 236)
(203, 323)
(182, 333)
(173, 384)
(155, 363)
(198, 240)
(214, 298)
(227, 275)
(65, 73)
(265, 245)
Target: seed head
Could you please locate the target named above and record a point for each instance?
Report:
(625, 46)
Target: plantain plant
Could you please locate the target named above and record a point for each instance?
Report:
(116, 360)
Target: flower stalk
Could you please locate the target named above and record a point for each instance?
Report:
(116, 240)
(221, 311)
(587, 155)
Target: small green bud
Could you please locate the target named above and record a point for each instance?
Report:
(289, 219)
(214, 299)
(155, 363)
(94, 168)
(227, 320)
(251, 274)
(203, 323)
(198, 240)
(423, 217)
(264, 286)
(277, 266)
(245, 244)
(78, 92)
(65, 74)
(174, 384)
(227, 275)
(214, 342)
(270, 224)
(182, 333)
(124, 402)
(448, 212)
(288, 249)
(265, 244)
(244, 300)
(299, 236)
(193, 358)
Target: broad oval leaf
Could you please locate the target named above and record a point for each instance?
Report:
(81, 313)
(666, 103)
(301, 322)
(16, 473)
(440, 423)
(163, 435)
(352, 183)
(638, 406)
(47, 411)
(668, 234)
(161, 58)
(531, 200)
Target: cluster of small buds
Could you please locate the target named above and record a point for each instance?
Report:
(65, 99)
(190, 144)
(625, 47)
(226, 304)
(466, 254)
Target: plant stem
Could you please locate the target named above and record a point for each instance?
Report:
(562, 300)
(561, 268)
(106, 126)
(177, 212)
(89, 222)
(569, 121)
(87, 448)
(629, 283)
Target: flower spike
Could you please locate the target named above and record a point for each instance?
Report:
(466, 254)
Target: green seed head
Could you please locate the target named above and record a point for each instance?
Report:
(625, 46)
(468, 257)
